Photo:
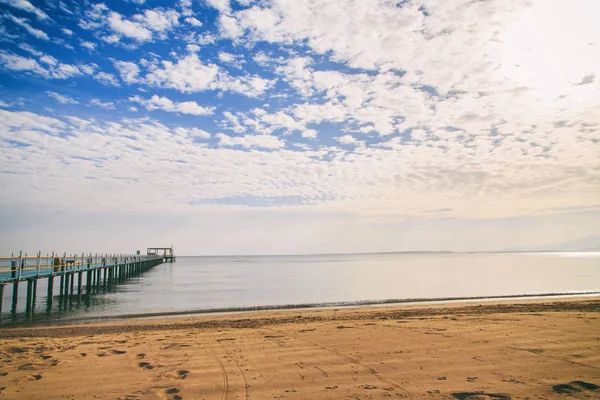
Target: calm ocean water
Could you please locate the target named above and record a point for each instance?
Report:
(208, 283)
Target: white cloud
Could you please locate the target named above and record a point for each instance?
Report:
(221, 5)
(64, 71)
(64, 8)
(193, 21)
(140, 28)
(233, 123)
(62, 98)
(67, 31)
(26, 6)
(49, 60)
(416, 178)
(108, 105)
(264, 141)
(88, 45)
(419, 135)
(19, 63)
(165, 104)
(229, 27)
(189, 74)
(127, 28)
(33, 31)
(129, 71)
(106, 79)
(158, 20)
(193, 133)
(28, 48)
(52, 68)
(309, 134)
(346, 139)
(234, 60)
(87, 69)
(192, 48)
(111, 39)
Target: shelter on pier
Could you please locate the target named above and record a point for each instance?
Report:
(166, 252)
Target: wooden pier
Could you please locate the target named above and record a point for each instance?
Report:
(80, 275)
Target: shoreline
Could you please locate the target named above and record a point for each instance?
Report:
(257, 318)
(83, 320)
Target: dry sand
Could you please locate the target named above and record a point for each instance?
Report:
(533, 349)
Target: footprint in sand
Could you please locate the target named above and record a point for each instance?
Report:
(33, 377)
(26, 366)
(575, 387)
(17, 350)
(183, 373)
(172, 394)
(141, 356)
(145, 365)
(119, 351)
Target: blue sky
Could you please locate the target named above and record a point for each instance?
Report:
(298, 126)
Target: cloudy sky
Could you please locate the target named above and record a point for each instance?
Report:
(298, 126)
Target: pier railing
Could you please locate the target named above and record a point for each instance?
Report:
(100, 270)
(22, 267)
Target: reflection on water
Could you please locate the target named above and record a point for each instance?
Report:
(200, 283)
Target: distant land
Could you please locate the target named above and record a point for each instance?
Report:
(589, 243)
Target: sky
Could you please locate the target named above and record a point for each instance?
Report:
(298, 126)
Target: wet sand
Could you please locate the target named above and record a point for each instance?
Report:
(537, 349)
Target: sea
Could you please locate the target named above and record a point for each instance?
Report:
(197, 285)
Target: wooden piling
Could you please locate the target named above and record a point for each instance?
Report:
(15, 296)
(1, 298)
(50, 291)
(29, 295)
(35, 281)
(88, 285)
(79, 279)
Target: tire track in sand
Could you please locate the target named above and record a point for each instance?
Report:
(236, 364)
(224, 375)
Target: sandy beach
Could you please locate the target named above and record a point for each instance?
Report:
(537, 349)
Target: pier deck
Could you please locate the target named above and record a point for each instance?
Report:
(28, 267)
